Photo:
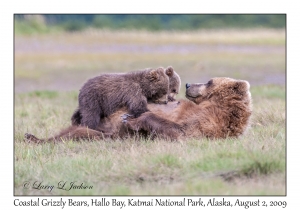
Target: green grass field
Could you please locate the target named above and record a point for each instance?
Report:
(50, 69)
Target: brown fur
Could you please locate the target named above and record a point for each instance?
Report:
(218, 109)
(173, 90)
(103, 95)
(174, 83)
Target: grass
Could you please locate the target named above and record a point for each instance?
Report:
(197, 166)
(47, 81)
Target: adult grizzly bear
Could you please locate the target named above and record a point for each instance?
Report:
(103, 95)
(219, 108)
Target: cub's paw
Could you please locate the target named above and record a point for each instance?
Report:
(160, 102)
(171, 98)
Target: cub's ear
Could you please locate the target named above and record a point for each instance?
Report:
(242, 85)
(153, 75)
(170, 71)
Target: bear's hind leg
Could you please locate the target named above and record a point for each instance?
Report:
(32, 139)
(76, 117)
(90, 118)
(70, 133)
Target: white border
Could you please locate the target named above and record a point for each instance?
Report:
(155, 6)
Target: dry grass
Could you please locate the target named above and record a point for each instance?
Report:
(150, 167)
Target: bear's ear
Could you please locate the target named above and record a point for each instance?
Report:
(170, 71)
(242, 85)
(153, 75)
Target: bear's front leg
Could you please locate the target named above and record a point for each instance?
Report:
(130, 121)
(137, 107)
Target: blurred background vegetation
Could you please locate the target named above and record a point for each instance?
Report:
(61, 51)
(31, 24)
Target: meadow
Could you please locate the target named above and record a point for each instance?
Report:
(51, 68)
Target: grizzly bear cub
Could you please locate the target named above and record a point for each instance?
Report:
(103, 95)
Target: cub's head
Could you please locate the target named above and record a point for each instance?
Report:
(220, 90)
(157, 85)
(174, 83)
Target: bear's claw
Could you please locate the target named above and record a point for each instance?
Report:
(171, 99)
(27, 136)
(125, 117)
(31, 138)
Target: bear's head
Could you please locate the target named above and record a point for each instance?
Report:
(174, 83)
(220, 90)
(226, 102)
(156, 85)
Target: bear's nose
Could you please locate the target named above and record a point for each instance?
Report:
(187, 85)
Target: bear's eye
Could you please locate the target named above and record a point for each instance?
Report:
(174, 91)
